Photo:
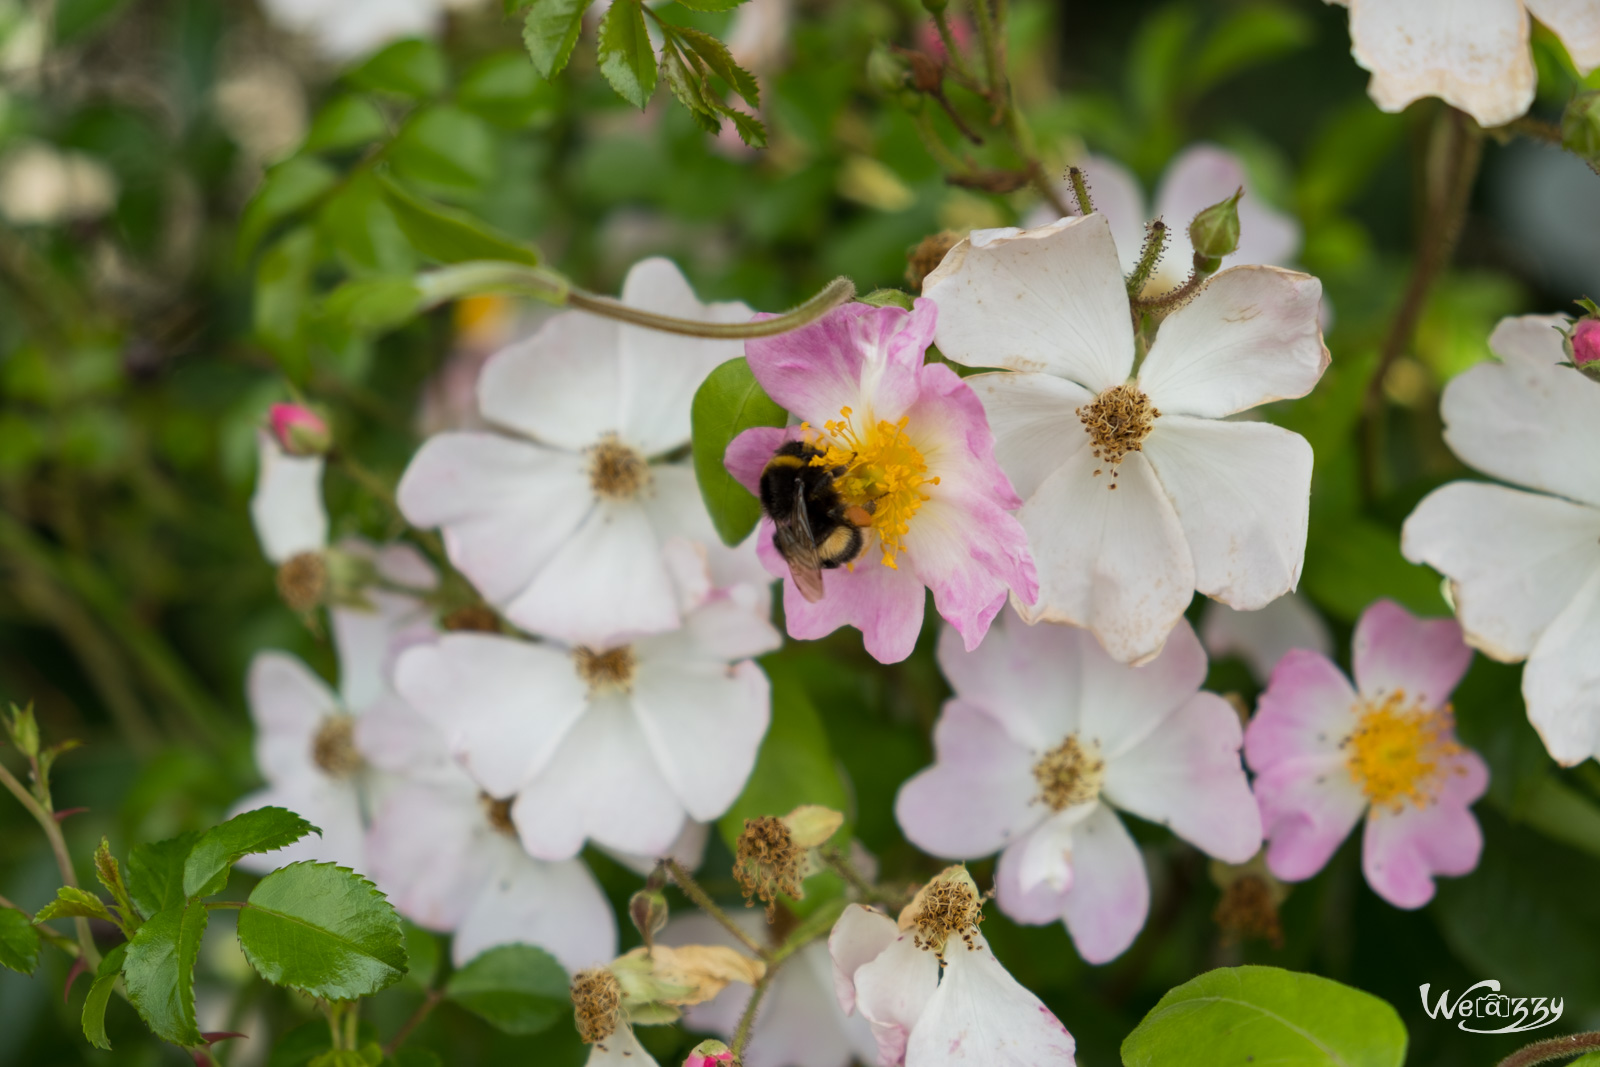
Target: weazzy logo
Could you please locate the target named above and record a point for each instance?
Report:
(1483, 1005)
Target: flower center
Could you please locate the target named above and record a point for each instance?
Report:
(883, 475)
(1069, 774)
(333, 749)
(617, 471)
(1396, 751)
(949, 909)
(1118, 422)
(767, 862)
(498, 814)
(608, 671)
(303, 581)
(596, 1003)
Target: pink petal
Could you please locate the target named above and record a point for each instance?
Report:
(1110, 894)
(973, 556)
(748, 454)
(1122, 705)
(892, 992)
(1307, 710)
(1394, 650)
(1045, 854)
(859, 936)
(1309, 805)
(883, 603)
(980, 1015)
(1037, 906)
(1403, 851)
(977, 797)
(949, 426)
(1026, 678)
(425, 851)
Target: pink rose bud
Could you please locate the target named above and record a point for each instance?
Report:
(1585, 340)
(711, 1054)
(299, 430)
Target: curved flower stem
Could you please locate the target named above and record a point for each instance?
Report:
(58, 844)
(1556, 1048)
(703, 901)
(747, 1020)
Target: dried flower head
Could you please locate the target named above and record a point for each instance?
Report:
(333, 748)
(947, 907)
(596, 1003)
(303, 581)
(767, 861)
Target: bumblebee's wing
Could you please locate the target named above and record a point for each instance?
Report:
(798, 547)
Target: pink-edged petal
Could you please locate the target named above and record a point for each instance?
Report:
(1308, 710)
(1110, 896)
(503, 705)
(748, 454)
(286, 506)
(1561, 683)
(1044, 857)
(885, 604)
(704, 723)
(1035, 423)
(288, 702)
(562, 386)
(1117, 195)
(603, 783)
(1511, 558)
(859, 936)
(977, 796)
(1395, 650)
(1026, 678)
(892, 992)
(1473, 54)
(369, 636)
(1404, 850)
(973, 556)
(608, 579)
(425, 851)
(981, 1015)
(1205, 174)
(334, 806)
(1112, 560)
(1527, 420)
(1050, 299)
(558, 907)
(661, 371)
(506, 506)
(1249, 338)
(1123, 705)
(1242, 492)
(1037, 906)
(1187, 777)
(949, 426)
(1262, 637)
(1577, 23)
(1309, 805)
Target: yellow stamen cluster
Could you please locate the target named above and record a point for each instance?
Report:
(605, 671)
(1118, 421)
(596, 1003)
(333, 749)
(1069, 774)
(883, 475)
(1397, 751)
(949, 908)
(498, 814)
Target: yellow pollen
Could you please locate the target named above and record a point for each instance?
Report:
(1118, 421)
(1397, 751)
(1069, 774)
(617, 471)
(884, 475)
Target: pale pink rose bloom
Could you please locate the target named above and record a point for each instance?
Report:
(1199, 176)
(1325, 752)
(1046, 738)
(973, 1013)
(447, 856)
(560, 519)
(286, 507)
(1524, 563)
(1261, 637)
(1473, 54)
(347, 29)
(619, 743)
(800, 1023)
(861, 369)
(1138, 489)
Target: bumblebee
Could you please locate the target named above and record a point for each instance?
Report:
(816, 529)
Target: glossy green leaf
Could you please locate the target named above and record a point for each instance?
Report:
(219, 848)
(1265, 1015)
(288, 188)
(374, 305)
(550, 31)
(346, 122)
(445, 147)
(451, 236)
(94, 1005)
(412, 68)
(159, 971)
(282, 297)
(19, 941)
(626, 57)
(422, 955)
(517, 988)
(720, 60)
(506, 90)
(727, 403)
(155, 872)
(72, 902)
(324, 930)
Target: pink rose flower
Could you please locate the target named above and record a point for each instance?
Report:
(299, 430)
(1585, 339)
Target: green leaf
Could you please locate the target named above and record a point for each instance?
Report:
(19, 941)
(729, 402)
(711, 5)
(346, 122)
(689, 88)
(359, 223)
(155, 872)
(1248, 37)
(1267, 1015)
(94, 1005)
(446, 147)
(282, 297)
(451, 236)
(506, 90)
(417, 1057)
(73, 903)
(219, 848)
(751, 129)
(517, 988)
(550, 32)
(626, 58)
(1351, 561)
(720, 60)
(159, 971)
(290, 187)
(322, 929)
(408, 68)
(374, 305)
(422, 955)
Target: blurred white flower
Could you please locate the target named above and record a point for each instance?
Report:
(262, 105)
(1261, 637)
(758, 37)
(286, 507)
(346, 29)
(41, 185)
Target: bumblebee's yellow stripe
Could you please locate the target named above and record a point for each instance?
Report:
(792, 462)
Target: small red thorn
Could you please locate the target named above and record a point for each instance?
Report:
(213, 1036)
(78, 967)
(62, 816)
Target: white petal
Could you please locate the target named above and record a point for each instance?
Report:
(1045, 855)
(1261, 637)
(1562, 680)
(1249, 338)
(1527, 420)
(426, 852)
(506, 506)
(1050, 300)
(800, 1025)
(503, 705)
(689, 849)
(288, 702)
(1116, 194)
(1123, 705)
(394, 737)
(287, 504)
(333, 806)
(1113, 560)
(554, 906)
(1110, 894)
(367, 639)
(1025, 678)
(1577, 23)
(1514, 559)
(621, 1049)
(983, 1016)
(562, 386)
(704, 723)
(603, 783)
(1242, 491)
(1202, 175)
(859, 936)
(891, 993)
(1035, 422)
(1473, 54)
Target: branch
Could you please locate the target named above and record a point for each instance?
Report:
(703, 901)
(58, 844)
(1555, 1048)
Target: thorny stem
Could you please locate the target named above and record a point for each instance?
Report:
(956, 62)
(424, 1009)
(1555, 1048)
(1080, 190)
(1155, 239)
(993, 65)
(1169, 300)
(58, 844)
(692, 890)
(747, 1020)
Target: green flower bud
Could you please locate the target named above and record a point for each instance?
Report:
(1215, 232)
(1580, 126)
(887, 71)
(648, 910)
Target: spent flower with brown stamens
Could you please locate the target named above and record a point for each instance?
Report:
(302, 581)
(596, 1004)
